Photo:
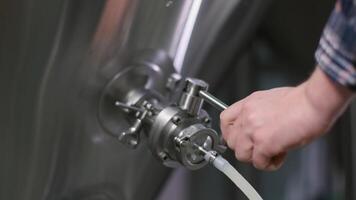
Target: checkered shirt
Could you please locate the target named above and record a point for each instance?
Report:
(336, 53)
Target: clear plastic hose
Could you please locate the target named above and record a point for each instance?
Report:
(224, 166)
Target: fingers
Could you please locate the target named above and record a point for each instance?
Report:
(228, 117)
(230, 136)
(262, 161)
(232, 130)
(243, 147)
(244, 151)
(244, 129)
(230, 114)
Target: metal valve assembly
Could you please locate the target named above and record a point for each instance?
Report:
(148, 99)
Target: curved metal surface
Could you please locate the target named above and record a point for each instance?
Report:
(55, 59)
(209, 57)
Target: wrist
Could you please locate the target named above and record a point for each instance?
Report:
(327, 97)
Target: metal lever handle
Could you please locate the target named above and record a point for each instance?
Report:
(217, 103)
(128, 107)
(221, 106)
(131, 137)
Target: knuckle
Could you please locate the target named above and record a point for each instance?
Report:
(230, 142)
(260, 139)
(259, 164)
(223, 116)
(251, 118)
(248, 107)
(224, 133)
(266, 148)
(256, 138)
(239, 156)
(244, 150)
(242, 156)
(255, 94)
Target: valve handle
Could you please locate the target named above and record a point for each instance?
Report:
(126, 107)
(131, 137)
(212, 100)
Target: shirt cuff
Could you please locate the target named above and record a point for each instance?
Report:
(337, 48)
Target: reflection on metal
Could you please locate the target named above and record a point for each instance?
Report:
(187, 33)
(63, 54)
(213, 100)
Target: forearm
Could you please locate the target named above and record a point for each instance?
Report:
(328, 97)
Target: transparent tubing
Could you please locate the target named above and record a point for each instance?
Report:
(225, 167)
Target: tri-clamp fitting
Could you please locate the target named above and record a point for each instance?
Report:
(146, 95)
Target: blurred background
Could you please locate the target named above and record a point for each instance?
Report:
(56, 57)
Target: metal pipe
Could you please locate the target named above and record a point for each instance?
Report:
(217, 103)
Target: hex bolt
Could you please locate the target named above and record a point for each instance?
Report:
(132, 143)
(163, 156)
(207, 120)
(176, 119)
(148, 106)
(181, 141)
(194, 157)
(149, 113)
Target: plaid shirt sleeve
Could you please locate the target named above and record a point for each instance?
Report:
(336, 53)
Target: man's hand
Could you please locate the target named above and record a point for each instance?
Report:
(264, 126)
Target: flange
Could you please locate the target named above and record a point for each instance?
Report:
(145, 75)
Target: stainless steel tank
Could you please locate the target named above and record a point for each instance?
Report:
(55, 59)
